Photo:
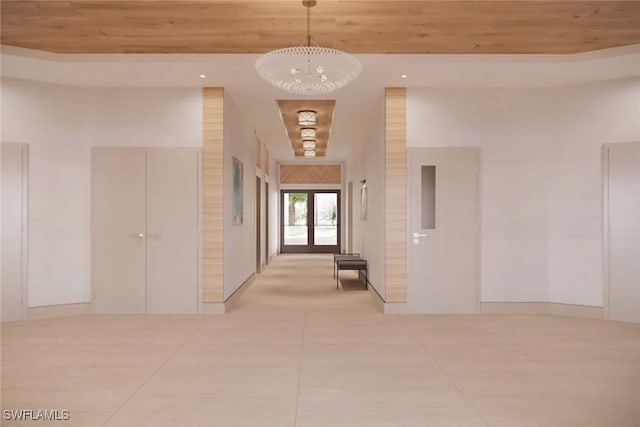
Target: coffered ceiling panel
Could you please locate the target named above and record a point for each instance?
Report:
(323, 108)
(356, 26)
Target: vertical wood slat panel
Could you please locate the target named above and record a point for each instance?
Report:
(396, 194)
(213, 195)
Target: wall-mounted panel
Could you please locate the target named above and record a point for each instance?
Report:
(212, 194)
(311, 174)
(396, 194)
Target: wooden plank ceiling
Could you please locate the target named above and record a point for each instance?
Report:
(323, 108)
(356, 26)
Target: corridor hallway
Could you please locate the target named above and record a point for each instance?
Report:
(297, 283)
(296, 352)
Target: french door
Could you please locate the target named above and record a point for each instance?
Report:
(310, 221)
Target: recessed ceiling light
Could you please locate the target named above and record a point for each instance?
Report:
(404, 76)
(202, 76)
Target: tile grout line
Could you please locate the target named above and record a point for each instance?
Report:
(304, 327)
(417, 337)
(57, 348)
(204, 321)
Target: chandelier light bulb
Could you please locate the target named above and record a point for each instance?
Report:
(310, 153)
(309, 145)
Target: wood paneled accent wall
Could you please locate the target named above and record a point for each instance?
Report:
(396, 194)
(213, 194)
(310, 174)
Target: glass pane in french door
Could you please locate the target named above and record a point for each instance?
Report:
(295, 219)
(325, 219)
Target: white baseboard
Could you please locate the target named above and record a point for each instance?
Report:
(231, 301)
(396, 308)
(213, 308)
(574, 310)
(516, 308)
(60, 310)
(376, 297)
(224, 307)
(545, 308)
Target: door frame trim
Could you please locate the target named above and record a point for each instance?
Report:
(25, 230)
(24, 285)
(605, 230)
(258, 216)
(605, 224)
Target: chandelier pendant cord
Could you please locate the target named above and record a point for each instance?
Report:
(308, 39)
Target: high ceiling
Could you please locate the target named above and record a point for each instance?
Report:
(356, 26)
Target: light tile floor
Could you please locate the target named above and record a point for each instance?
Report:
(295, 352)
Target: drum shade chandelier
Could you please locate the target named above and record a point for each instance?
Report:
(310, 69)
(306, 118)
(308, 134)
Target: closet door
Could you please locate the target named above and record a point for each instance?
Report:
(118, 227)
(14, 229)
(172, 231)
(622, 207)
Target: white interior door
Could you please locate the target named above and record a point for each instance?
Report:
(443, 234)
(118, 241)
(172, 231)
(14, 229)
(623, 242)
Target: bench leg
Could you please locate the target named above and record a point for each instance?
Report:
(337, 279)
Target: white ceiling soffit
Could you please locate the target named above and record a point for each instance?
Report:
(229, 70)
(257, 99)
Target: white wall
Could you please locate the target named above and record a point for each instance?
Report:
(239, 240)
(274, 191)
(60, 124)
(368, 162)
(541, 178)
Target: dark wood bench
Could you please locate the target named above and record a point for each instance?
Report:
(342, 257)
(354, 263)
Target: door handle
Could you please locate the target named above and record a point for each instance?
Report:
(416, 235)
